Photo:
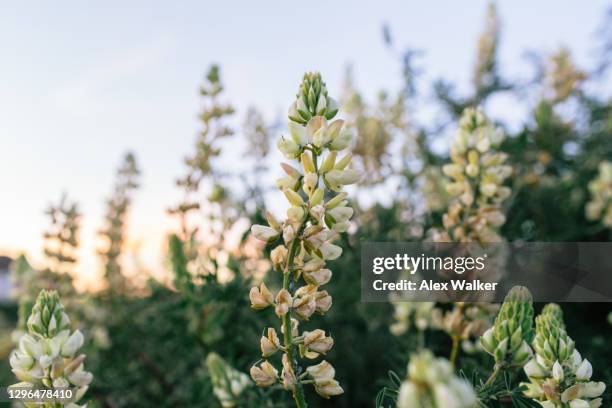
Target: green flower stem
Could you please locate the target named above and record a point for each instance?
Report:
(288, 283)
(491, 380)
(455, 350)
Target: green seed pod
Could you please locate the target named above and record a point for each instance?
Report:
(508, 340)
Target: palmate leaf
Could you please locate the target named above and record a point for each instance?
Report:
(388, 394)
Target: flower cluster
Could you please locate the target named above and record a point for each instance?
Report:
(47, 354)
(318, 212)
(228, 383)
(409, 314)
(558, 374)
(431, 383)
(477, 175)
(465, 322)
(508, 340)
(600, 206)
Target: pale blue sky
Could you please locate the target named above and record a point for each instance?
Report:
(81, 82)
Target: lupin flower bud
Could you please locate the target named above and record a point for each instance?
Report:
(47, 355)
(289, 148)
(431, 383)
(558, 375)
(308, 233)
(312, 100)
(228, 383)
(48, 317)
(508, 340)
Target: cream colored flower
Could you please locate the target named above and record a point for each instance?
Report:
(323, 302)
(269, 344)
(263, 233)
(305, 306)
(328, 388)
(321, 371)
(260, 297)
(319, 277)
(278, 256)
(265, 375)
(284, 301)
(317, 341)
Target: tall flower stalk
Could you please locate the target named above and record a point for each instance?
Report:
(475, 213)
(47, 356)
(318, 213)
(508, 340)
(558, 375)
(117, 207)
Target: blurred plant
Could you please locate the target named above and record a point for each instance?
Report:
(463, 322)
(228, 383)
(117, 207)
(558, 375)
(257, 134)
(311, 225)
(431, 383)
(375, 129)
(61, 239)
(200, 164)
(475, 215)
(600, 206)
(486, 76)
(411, 314)
(23, 278)
(47, 354)
(562, 77)
(509, 338)
(477, 175)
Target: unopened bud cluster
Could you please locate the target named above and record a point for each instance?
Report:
(431, 383)
(477, 174)
(47, 355)
(312, 100)
(508, 340)
(600, 206)
(558, 375)
(228, 383)
(318, 212)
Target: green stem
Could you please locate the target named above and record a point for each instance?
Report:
(455, 351)
(288, 281)
(494, 374)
